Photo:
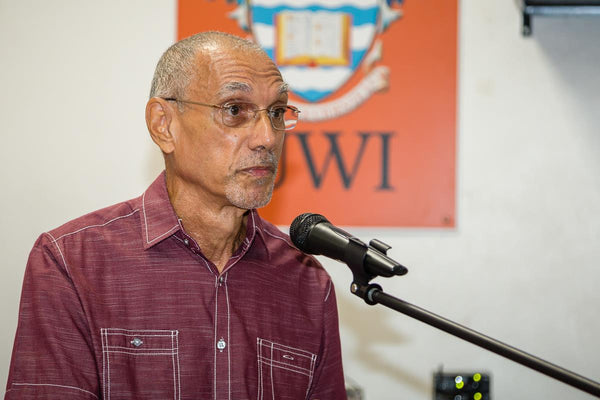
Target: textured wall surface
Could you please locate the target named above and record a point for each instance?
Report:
(521, 265)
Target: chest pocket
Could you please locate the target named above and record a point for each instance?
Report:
(284, 372)
(140, 364)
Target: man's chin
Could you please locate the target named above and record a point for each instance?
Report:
(248, 200)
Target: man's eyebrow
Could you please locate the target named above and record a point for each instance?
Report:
(232, 87)
(284, 88)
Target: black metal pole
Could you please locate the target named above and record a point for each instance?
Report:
(376, 295)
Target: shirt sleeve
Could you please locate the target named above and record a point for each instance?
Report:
(328, 383)
(53, 355)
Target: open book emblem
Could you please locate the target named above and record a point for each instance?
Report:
(320, 44)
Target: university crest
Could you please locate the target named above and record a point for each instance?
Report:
(319, 45)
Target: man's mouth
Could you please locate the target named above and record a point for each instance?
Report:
(260, 171)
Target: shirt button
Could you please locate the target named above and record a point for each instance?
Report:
(186, 242)
(221, 344)
(137, 342)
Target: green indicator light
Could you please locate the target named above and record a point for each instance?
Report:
(460, 385)
(477, 378)
(477, 396)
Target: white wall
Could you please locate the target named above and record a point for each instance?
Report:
(520, 266)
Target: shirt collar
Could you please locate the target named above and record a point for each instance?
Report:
(256, 229)
(159, 221)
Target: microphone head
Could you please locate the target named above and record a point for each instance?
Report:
(301, 227)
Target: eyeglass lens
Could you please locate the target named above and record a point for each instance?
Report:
(239, 114)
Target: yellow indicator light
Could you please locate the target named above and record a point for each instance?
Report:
(477, 396)
(477, 378)
(460, 385)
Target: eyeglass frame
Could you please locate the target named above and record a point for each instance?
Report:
(222, 107)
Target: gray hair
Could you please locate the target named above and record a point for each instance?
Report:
(177, 65)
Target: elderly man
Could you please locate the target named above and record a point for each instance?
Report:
(185, 292)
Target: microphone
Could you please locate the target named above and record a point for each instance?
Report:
(314, 234)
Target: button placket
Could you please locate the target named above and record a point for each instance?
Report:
(222, 339)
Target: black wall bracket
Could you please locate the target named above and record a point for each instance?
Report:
(556, 8)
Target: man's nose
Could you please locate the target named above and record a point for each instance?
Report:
(263, 134)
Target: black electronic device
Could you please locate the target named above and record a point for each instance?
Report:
(461, 386)
(556, 8)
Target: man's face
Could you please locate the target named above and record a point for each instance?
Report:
(225, 165)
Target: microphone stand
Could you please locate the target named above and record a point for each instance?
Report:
(373, 294)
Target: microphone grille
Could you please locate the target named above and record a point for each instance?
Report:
(301, 227)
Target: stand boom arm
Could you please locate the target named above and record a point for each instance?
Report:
(374, 294)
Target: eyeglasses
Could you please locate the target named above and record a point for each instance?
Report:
(239, 114)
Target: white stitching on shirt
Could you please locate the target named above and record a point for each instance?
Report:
(290, 367)
(148, 241)
(269, 361)
(253, 226)
(98, 225)
(178, 239)
(328, 291)
(50, 384)
(55, 240)
(107, 364)
(108, 368)
(139, 354)
(160, 236)
(260, 380)
(234, 260)
(215, 341)
(103, 363)
(273, 363)
(280, 346)
(277, 347)
(228, 337)
(275, 236)
(312, 373)
(138, 350)
(271, 369)
(234, 257)
(60, 252)
(135, 332)
(207, 266)
(178, 368)
(174, 377)
(107, 350)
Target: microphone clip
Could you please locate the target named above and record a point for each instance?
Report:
(367, 262)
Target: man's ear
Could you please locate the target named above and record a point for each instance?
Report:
(159, 115)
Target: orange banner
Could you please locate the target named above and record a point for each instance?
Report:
(376, 82)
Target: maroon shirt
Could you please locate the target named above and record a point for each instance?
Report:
(121, 304)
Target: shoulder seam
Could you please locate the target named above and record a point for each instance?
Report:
(60, 252)
(96, 225)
